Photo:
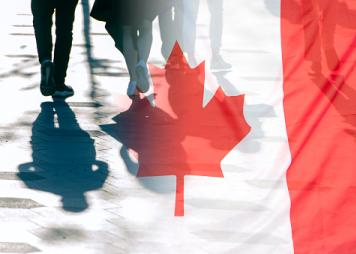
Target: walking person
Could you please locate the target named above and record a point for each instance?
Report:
(53, 72)
(129, 23)
(190, 12)
(170, 25)
(319, 31)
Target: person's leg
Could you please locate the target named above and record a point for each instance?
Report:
(131, 56)
(176, 59)
(216, 24)
(116, 32)
(329, 14)
(65, 12)
(124, 42)
(312, 40)
(178, 20)
(311, 27)
(216, 31)
(144, 44)
(129, 50)
(42, 11)
(167, 31)
(190, 15)
(124, 38)
(144, 41)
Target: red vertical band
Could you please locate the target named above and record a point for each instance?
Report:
(179, 209)
(319, 58)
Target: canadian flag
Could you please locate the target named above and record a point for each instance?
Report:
(288, 183)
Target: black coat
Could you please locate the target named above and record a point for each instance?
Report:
(128, 12)
(103, 9)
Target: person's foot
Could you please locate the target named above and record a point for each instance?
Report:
(218, 63)
(63, 91)
(132, 89)
(143, 78)
(47, 86)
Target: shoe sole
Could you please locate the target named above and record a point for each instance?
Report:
(47, 86)
(62, 94)
(142, 79)
(133, 95)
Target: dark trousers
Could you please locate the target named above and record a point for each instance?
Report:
(170, 23)
(43, 11)
(115, 30)
(191, 9)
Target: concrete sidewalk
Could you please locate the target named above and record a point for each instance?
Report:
(58, 189)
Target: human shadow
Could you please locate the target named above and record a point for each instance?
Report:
(179, 137)
(132, 129)
(64, 156)
(260, 112)
(331, 63)
(318, 20)
(319, 26)
(327, 58)
(341, 94)
(96, 67)
(318, 30)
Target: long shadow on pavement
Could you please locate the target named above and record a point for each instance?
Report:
(64, 157)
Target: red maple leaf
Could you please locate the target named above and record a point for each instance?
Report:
(179, 136)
